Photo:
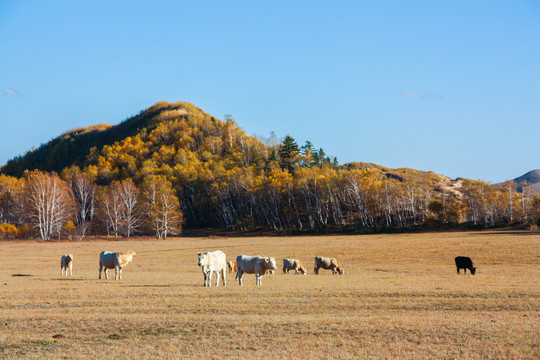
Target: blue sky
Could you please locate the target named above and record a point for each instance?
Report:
(447, 86)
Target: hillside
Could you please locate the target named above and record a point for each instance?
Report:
(529, 182)
(74, 146)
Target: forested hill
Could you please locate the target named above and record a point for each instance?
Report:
(221, 177)
(74, 146)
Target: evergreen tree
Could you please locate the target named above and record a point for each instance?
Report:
(288, 153)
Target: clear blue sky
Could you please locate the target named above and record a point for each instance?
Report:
(447, 86)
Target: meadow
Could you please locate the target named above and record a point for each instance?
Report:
(400, 297)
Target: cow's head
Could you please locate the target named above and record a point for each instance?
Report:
(473, 270)
(340, 270)
(270, 263)
(302, 270)
(69, 259)
(202, 258)
(133, 253)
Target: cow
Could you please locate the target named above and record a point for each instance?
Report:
(464, 262)
(257, 265)
(66, 262)
(329, 264)
(213, 261)
(231, 266)
(116, 261)
(293, 264)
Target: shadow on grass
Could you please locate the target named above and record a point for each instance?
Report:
(17, 275)
(72, 279)
(147, 286)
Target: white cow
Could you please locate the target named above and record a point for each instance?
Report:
(213, 261)
(116, 261)
(257, 265)
(66, 262)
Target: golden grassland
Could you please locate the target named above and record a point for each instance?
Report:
(400, 297)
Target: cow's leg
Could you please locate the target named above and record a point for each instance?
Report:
(205, 277)
(217, 278)
(223, 277)
(240, 273)
(316, 270)
(209, 278)
(465, 271)
(106, 274)
(70, 271)
(61, 271)
(120, 273)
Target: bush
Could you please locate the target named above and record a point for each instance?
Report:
(8, 231)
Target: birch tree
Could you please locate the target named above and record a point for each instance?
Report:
(49, 203)
(83, 190)
(162, 208)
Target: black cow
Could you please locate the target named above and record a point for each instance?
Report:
(464, 262)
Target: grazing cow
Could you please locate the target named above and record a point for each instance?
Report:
(293, 264)
(66, 262)
(231, 266)
(257, 265)
(116, 261)
(464, 262)
(329, 264)
(213, 261)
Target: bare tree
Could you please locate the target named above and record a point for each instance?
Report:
(110, 207)
(83, 191)
(49, 203)
(128, 193)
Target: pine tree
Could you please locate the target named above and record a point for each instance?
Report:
(288, 154)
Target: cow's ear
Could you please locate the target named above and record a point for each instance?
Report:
(199, 253)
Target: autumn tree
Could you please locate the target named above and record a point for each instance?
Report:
(161, 207)
(10, 188)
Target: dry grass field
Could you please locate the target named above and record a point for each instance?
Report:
(400, 297)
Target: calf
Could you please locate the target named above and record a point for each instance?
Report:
(464, 262)
(66, 262)
(328, 264)
(231, 265)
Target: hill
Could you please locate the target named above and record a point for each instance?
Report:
(225, 178)
(529, 182)
(74, 146)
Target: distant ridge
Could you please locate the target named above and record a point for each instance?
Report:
(529, 182)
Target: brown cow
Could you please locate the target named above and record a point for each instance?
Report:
(329, 264)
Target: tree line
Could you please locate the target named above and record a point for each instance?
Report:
(48, 206)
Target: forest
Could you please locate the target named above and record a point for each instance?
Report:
(173, 166)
